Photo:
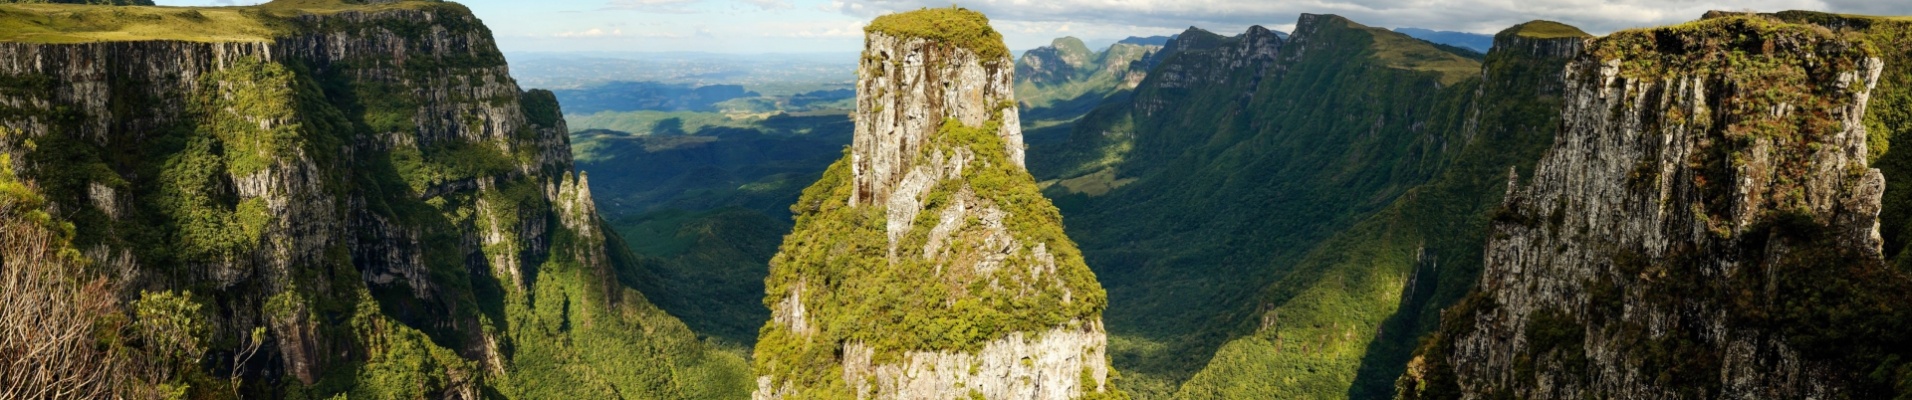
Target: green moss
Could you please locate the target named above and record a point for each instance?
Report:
(838, 259)
(249, 107)
(541, 108)
(1541, 29)
(954, 26)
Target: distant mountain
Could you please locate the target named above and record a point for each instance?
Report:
(1058, 83)
(1471, 41)
(1157, 41)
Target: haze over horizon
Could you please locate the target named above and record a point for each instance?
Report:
(835, 26)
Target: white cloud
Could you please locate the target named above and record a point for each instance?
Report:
(812, 30)
(593, 32)
(770, 4)
(1481, 16)
(654, 6)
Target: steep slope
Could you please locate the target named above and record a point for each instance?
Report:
(1057, 84)
(1705, 226)
(706, 211)
(314, 198)
(1888, 118)
(1471, 41)
(925, 264)
(1344, 324)
(1242, 154)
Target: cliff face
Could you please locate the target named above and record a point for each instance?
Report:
(906, 88)
(366, 183)
(1705, 226)
(925, 264)
(1345, 321)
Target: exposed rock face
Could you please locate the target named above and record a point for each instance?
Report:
(381, 152)
(926, 264)
(906, 88)
(1252, 51)
(1702, 174)
(1047, 365)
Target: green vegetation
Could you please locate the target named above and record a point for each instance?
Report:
(72, 23)
(708, 267)
(1057, 85)
(1548, 30)
(1404, 52)
(1344, 323)
(954, 26)
(837, 263)
(706, 210)
(1236, 180)
(380, 254)
(1825, 299)
(647, 122)
(93, 2)
(1888, 118)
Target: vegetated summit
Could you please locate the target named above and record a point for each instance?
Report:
(925, 263)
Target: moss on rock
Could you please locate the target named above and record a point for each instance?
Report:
(959, 27)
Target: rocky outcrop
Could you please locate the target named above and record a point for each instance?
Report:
(366, 178)
(906, 88)
(925, 264)
(1708, 186)
(1053, 365)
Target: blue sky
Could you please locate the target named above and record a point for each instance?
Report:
(834, 26)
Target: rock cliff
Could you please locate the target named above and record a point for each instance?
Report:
(1705, 226)
(925, 264)
(365, 182)
(1347, 319)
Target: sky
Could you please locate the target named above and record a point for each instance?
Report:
(835, 26)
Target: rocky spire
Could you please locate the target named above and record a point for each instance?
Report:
(907, 85)
(927, 264)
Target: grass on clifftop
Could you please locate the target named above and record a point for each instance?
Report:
(1400, 51)
(1542, 29)
(957, 26)
(76, 23)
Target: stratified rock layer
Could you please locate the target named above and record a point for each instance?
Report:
(1703, 174)
(906, 88)
(367, 183)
